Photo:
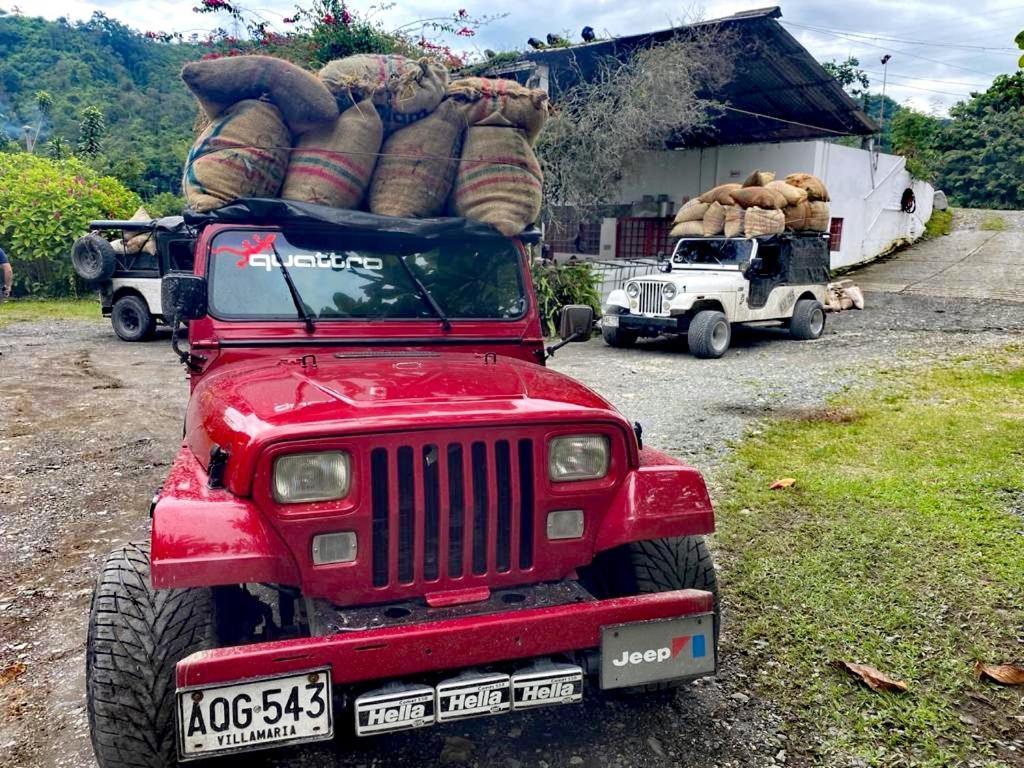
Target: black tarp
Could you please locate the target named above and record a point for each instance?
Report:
(288, 214)
(803, 259)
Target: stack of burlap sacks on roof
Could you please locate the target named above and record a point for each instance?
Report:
(383, 133)
(761, 205)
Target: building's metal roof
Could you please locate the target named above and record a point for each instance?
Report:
(778, 92)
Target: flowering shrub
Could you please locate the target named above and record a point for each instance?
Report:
(44, 206)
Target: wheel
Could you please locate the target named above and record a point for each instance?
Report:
(93, 258)
(136, 637)
(131, 319)
(709, 334)
(658, 565)
(617, 337)
(808, 321)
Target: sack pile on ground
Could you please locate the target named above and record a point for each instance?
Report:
(381, 133)
(761, 205)
(843, 295)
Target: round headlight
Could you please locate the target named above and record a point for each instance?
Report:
(668, 291)
(632, 290)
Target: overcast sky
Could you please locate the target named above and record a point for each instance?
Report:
(925, 71)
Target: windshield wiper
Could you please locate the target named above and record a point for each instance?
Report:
(428, 299)
(300, 308)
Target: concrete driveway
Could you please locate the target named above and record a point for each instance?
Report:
(976, 260)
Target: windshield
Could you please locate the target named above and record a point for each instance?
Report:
(724, 251)
(361, 276)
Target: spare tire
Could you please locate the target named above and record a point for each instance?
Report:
(93, 258)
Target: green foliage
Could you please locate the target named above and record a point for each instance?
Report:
(44, 206)
(557, 285)
(993, 223)
(164, 204)
(34, 310)
(849, 74)
(133, 79)
(90, 132)
(915, 135)
(940, 223)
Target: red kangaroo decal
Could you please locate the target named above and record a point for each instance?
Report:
(258, 245)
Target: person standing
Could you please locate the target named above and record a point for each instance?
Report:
(8, 274)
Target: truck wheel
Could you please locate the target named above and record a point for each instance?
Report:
(617, 337)
(709, 334)
(658, 565)
(136, 637)
(131, 319)
(93, 258)
(808, 321)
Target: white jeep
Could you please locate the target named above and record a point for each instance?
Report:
(709, 283)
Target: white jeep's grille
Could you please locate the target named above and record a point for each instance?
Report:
(650, 297)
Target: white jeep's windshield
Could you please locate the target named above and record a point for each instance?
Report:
(713, 251)
(361, 276)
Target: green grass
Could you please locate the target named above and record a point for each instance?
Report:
(993, 222)
(940, 223)
(901, 546)
(29, 310)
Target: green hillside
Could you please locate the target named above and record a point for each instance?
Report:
(133, 80)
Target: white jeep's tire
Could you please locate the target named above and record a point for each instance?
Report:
(710, 334)
(808, 321)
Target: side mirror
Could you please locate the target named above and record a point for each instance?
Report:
(575, 322)
(183, 296)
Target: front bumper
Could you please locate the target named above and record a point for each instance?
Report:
(649, 326)
(454, 642)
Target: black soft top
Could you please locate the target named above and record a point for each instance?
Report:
(165, 224)
(259, 211)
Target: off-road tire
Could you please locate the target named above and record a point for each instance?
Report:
(136, 637)
(709, 335)
(93, 258)
(808, 321)
(617, 337)
(132, 319)
(658, 565)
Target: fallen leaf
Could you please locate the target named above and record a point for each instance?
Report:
(1004, 674)
(786, 482)
(11, 673)
(875, 680)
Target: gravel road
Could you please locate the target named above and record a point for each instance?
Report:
(89, 426)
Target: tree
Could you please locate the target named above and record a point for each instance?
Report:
(90, 132)
(57, 148)
(849, 74)
(915, 136)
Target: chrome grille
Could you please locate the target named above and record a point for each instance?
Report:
(650, 297)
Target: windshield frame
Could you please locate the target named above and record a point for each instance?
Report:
(209, 272)
(728, 266)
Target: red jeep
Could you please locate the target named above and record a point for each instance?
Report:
(386, 513)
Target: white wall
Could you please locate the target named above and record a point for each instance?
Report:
(865, 187)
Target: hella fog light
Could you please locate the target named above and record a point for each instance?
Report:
(334, 548)
(668, 292)
(578, 457)
(565, 524)
(632, 290)
(305, 477)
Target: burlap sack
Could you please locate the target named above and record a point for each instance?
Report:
(714, 220)
(793, 195)
(798, 216)
(480, 97)
(814, 186)
(757, 222)
(759, 179)
(748, 197)
(242, 153)
(402, 89)
(692, 210)
(417, 166)
(499, 180)
(819, 219)
(721, 193)
(688, 229)
(143, 240)
(734, 216)
(333, 165)
(303, 100)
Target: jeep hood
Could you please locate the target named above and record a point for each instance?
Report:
(244, 407)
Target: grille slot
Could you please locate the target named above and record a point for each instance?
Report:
(450, 510)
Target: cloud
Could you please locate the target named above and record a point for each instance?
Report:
(925, 76)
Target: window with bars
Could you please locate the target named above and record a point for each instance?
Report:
(642, 238)
(835, 235)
